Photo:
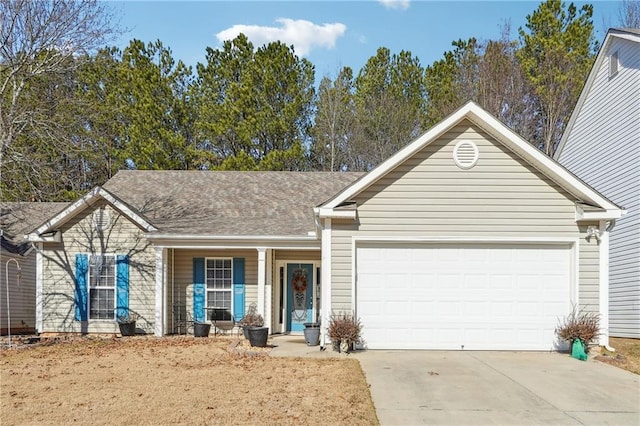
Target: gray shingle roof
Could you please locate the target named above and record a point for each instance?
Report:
(18, 219)
(216, 203)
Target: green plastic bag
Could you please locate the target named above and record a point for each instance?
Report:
(577, 350)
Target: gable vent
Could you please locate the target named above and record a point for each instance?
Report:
(101, 219)
(465, 154)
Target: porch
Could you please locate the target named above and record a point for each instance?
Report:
(282, 284)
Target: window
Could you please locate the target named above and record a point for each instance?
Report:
(219, 280)
(102, 286)
(614, 63)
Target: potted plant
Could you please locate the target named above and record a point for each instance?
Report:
(344, 331)
(251, 319)
(312, 333)
(127, 323)
(579, 328)
(201, 329)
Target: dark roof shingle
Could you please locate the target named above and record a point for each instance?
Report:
(216, 203)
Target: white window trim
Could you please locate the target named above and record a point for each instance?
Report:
(614, 64)
(90, 287)
(206, 286)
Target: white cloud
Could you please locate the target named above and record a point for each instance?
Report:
(303, 35)
(395, 4)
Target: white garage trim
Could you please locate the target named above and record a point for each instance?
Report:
(473, 247)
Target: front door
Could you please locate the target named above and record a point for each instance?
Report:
(299, 295)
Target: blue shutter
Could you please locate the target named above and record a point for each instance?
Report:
(238, 288)
(82, 268)
(198, 289)
(122, 286)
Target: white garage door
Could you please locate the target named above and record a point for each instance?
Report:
(462, 296)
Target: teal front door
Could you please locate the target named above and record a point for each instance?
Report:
(299, 295)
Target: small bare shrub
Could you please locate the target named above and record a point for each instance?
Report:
(579, 325)
(345, 328)
(252, 318)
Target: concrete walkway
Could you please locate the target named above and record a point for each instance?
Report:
(295, 346)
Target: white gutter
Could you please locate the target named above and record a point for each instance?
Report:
(200, 237)
(610, 214)
(328, 213)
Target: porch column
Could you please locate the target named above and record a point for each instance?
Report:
(268, 318)
(39, 288)
(159, 308)
(262, 275)
(325, 281)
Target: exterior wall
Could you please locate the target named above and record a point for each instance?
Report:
(22, 294)
(429, 196)
(297, 255)
(80, 236)
(603, 148)
(180, 282)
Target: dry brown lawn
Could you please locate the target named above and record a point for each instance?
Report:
(178, 380)
(626, 356)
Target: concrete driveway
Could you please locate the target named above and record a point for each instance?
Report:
(464, 388)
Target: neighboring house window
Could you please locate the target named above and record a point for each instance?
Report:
(219, 279)
(102, 286)
(614, 64)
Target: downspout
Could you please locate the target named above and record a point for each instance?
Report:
(603, 243)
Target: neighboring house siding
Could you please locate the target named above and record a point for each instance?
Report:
(429, 196)
(603, 148)
(22, 292)
(180, 283)
(79, 236)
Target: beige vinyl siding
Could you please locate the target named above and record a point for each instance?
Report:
(298, 255)
(181, 282)
(429, 196)
(603, 149)
(79, 236)
(22, 292)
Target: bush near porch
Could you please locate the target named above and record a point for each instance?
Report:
(144, 380)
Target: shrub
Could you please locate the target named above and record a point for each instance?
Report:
(579, 325)
(344, 327)
(128, 317)
(252, 318)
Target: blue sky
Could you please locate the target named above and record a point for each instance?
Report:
(331, 34)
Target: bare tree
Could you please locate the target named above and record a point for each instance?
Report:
(629, 14)
(41, 40)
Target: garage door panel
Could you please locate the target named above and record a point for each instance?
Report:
(480, 296)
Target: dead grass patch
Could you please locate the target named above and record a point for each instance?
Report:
(176, 380)
(626, 356)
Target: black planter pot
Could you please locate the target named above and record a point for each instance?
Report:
(127, 328)
(201, 329)
(258, 336)
(312, 333)
(245, 331)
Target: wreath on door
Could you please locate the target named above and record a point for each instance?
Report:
(299, 281)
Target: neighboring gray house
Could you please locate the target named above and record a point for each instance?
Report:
(18, 264)
(601, 145)
(467, 238)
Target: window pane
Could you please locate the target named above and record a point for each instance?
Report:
(101, 303)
